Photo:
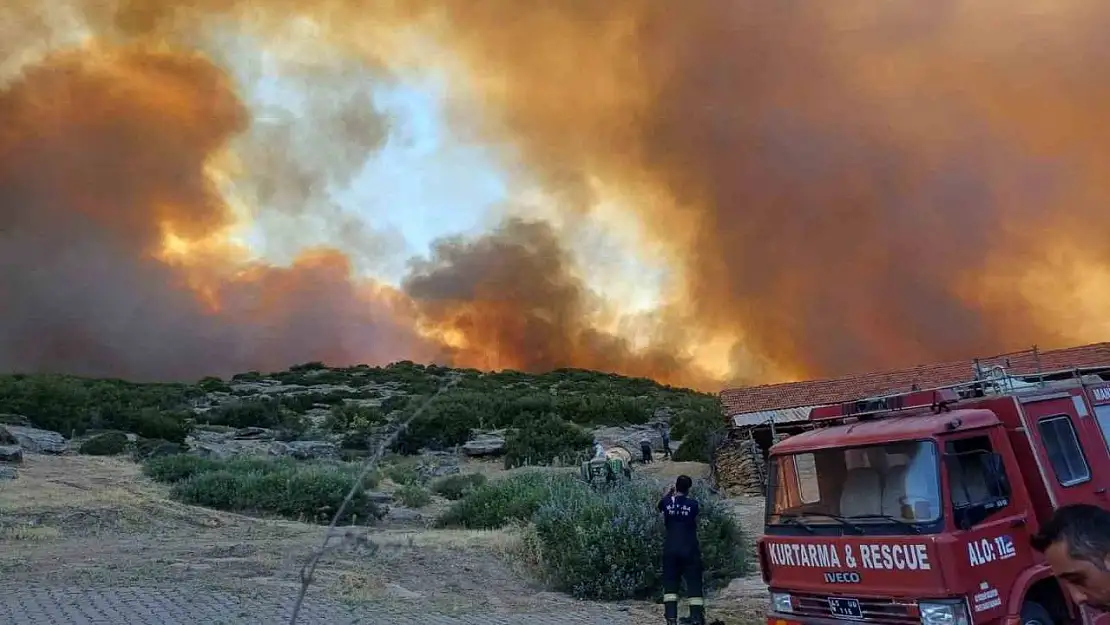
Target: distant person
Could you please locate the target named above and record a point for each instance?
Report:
(645, 450)
(665, 434)
(1076, 544)
(599, 450)
(681, 552)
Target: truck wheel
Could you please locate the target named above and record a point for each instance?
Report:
(1033, 613)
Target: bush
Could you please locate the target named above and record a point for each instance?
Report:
(404, 473)
(455, 487)
(170, 469)
(509, 500)
(606, 544)
(266, 486)
(262, 412)
(694, 447)
(106, 444)
(544, 440)
(153, 423)
(600, 543)
(414, 496)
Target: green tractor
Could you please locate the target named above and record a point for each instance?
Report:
(612, 467)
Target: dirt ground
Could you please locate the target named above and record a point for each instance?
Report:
(89, 521)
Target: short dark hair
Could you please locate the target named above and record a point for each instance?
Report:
(683, 484)
(1084, 527)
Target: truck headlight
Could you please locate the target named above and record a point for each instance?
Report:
(781, 602)
(943, 612)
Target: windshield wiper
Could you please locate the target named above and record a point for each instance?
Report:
(886, 517)
(836, 517)
(792, 519)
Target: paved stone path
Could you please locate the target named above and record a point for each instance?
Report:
(27, 605)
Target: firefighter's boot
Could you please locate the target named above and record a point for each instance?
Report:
(697, 611)
(670, 608)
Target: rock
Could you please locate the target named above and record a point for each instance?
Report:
(305, 450)
(208, 450)
(379, 497)
(485, 444)
(8, 473)
(433, 464)
(400, 592)
(36, 441)
(630, 437)
(253, 433)
(7, 418)
(431, 472)
(406, 516)
(11, 454)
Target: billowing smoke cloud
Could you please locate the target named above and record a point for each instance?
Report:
(847, 186)
(514, 298)
(103, 154)
(840, 187)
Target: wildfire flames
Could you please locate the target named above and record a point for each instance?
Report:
(833, 187)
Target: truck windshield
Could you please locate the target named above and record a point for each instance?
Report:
(892, 488)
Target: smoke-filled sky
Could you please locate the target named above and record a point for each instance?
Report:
(720, 193)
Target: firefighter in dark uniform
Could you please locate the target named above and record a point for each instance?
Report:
(681, 552)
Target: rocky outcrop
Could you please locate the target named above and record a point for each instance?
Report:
(435, 464)
(485, 444)
(305, 450)
(629, 437)
(255, 441)
(11, 454)
(36, 441)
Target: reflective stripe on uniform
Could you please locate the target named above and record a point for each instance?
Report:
(670, 598)
(697, 601)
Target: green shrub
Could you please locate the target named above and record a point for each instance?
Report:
(414, 496)
(106, 444)
(512, 499)
(170, 469)
(545, 439)
(455, 487)
(694, 447)
(262, 412)
(606, 543)
(213, 384)
(600, 543)
(404, 473)
(266, 486)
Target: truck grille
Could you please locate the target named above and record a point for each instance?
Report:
(874, 610)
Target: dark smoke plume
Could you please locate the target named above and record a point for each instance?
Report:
(839, 187)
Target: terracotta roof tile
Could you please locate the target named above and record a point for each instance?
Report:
(819, 392)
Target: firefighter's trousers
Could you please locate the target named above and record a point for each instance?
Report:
(683, 566)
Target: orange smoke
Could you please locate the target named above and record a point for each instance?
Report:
(836, 188)
(108, 217)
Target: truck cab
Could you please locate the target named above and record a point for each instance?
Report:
(918, 508)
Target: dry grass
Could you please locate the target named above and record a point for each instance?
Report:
(110, 524)
(32, 533)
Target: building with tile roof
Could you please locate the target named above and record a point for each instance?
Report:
(791, 402)
(762, 415)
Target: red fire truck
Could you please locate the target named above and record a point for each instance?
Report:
(917, 509)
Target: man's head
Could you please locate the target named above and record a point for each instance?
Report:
(683, 484)
(1076, 543)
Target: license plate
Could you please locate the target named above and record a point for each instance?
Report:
(845, 608)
